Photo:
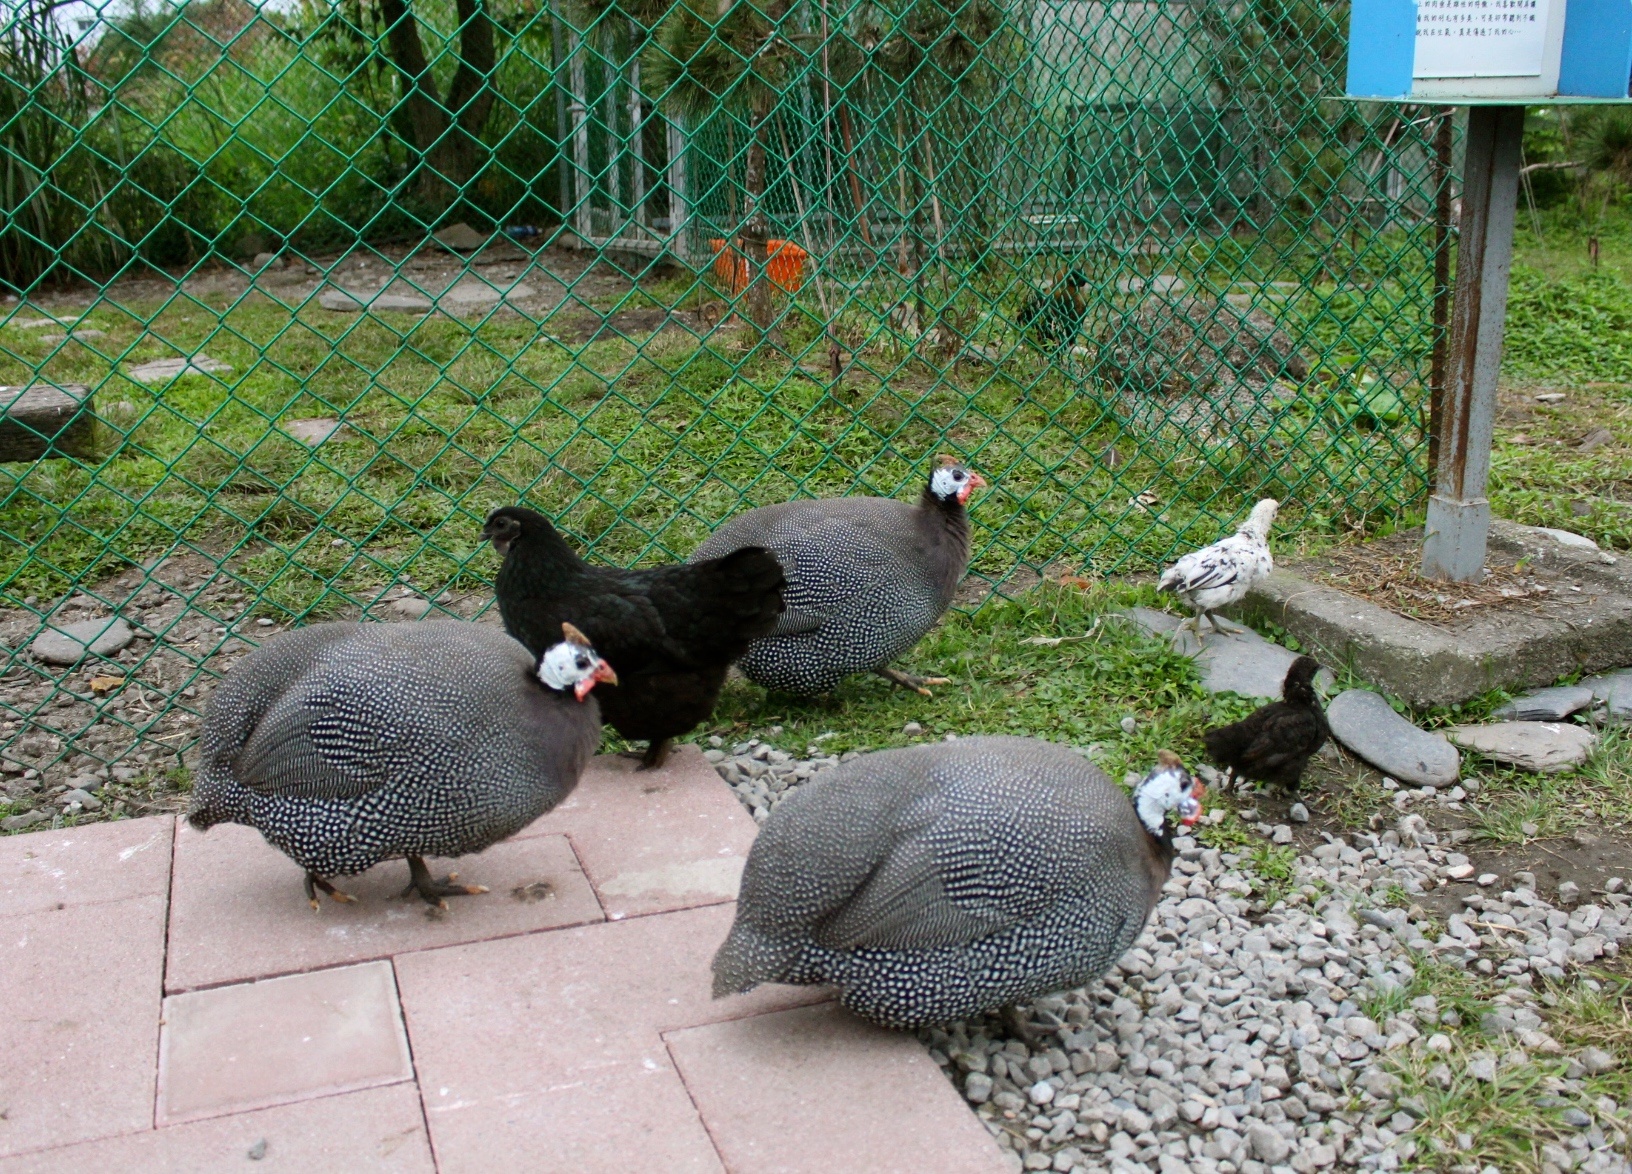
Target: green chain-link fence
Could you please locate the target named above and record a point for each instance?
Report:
(311, 288)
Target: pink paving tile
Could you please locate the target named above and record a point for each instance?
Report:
(814, 1090)
(544, 1051)
(239, 911)
(652, 841)
(85, 865)
(235, 1048)
(379, 1129)
(81, 1023)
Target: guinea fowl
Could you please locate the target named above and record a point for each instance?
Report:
(1221, 574)
(1273, 745)
(1053, 317)
(941, 881)
(867, 578)
(348, 744)
(671, 632)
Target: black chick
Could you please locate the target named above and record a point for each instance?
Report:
(1275, 743)
(1053, 317)
(669, 632)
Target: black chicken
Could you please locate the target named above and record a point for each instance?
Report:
(669, 632)
(1275, 743)
(1052, 318)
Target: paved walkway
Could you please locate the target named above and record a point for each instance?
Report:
(171, 1003)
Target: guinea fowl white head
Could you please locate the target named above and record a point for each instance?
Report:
(573, 665)
(1169, 787)
(954, 482)
(1221, 574)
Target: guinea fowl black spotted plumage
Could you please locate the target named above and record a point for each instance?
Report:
(671, 632)
(938, 882)
(347, 744)
(1273, 745)
(867, 578)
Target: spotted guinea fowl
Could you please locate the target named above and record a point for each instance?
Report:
(348, 744)
(1221, 574)
(671, 632)
(942, 881)
(1273, 744)
(867, 578)
(1053, 317)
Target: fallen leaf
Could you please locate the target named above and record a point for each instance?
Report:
(104, 685)
(1145, 500)
(1594, 440)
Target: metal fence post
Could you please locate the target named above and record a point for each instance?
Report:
(1458, 521)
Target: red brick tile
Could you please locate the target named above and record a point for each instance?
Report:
(379, 1130)
(235, 1048)
(239, 911)
(653, 841)
(544, 1051)
(815, 1090)
(80, 1028)
(85, 865)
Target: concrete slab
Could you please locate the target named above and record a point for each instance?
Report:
(239, 911)
(87, 865)
(545, 1051)
(82, 988)
(654, 841)
(379, 1130)
(813, 1090)
(1428, 664)
(235, 1048)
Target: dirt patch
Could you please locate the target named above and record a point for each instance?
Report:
(1387, 572)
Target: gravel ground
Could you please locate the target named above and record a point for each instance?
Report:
(1232, 1038)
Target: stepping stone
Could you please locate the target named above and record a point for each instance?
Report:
(72, 643)
(164, 370)
(468, 295)
(1546, 705)
(1615, 691)
(312, 432)
(1365, 723)
(346, 302)
(79, 334)
(1544, 747)
(1240, 662)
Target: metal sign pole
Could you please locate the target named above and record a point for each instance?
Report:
(1458, 522)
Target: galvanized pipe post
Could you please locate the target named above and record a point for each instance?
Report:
(1458, 524)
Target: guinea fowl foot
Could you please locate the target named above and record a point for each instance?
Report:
(315, 882)
(908, 681)
(657, 753)
(432, 890)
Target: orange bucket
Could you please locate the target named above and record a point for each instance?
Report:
(784, 264)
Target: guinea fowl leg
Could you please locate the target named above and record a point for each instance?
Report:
(432, 890)
(908, 681)
(1019, 1027)
(657, 753)
(315, 882)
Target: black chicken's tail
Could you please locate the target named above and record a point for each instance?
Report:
(745, 587)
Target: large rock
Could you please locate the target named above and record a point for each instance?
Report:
(1546, 705)
(1368, 726)
(1545, 747)
(1614, 690)
(71, 643)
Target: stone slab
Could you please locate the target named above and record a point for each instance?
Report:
(239, 911)
(377, 1131)
(815, 1090)
(81, 1022)
(1427, 665)
(1239, 661)
(68, 644)
(1546, 705)
(87, 865)
(545, 1051)
(235, 1048)
(45, 419)
(344, 301)
(1365, 723)
(164, 370)
(1614, 691)
(653, 841)
(1543, 747)
(312, 432)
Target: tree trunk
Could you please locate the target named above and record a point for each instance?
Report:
(756, 230)
(446, 135)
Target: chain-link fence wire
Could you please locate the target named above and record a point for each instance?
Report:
(301, 292)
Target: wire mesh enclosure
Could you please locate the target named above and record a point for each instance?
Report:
(299, 292)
